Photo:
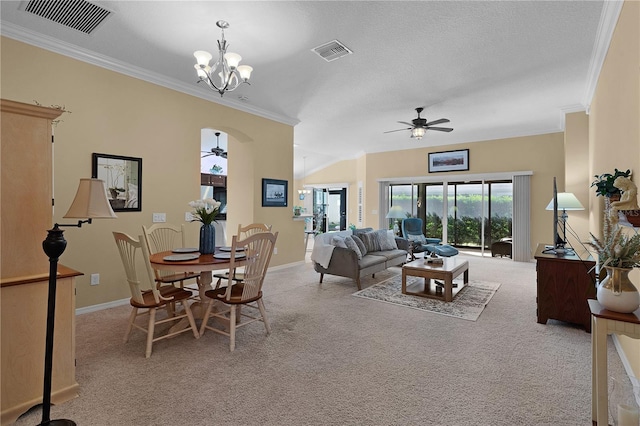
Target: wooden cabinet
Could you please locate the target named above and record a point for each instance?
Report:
(26, 215)
(27, 173)
(564, 284)
(207, 179)
(23, 314)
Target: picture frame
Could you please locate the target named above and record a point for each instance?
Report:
(123, 180)
(449, 161)
(274, 192)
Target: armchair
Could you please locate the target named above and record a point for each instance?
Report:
(412, 230)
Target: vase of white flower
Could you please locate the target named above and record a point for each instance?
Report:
(207, 239)
(618, 253)
(616, 292)
(206, 211)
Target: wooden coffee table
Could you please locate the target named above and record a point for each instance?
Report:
(445, 272)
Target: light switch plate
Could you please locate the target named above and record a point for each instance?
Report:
(159, 217)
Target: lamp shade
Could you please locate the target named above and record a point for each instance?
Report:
(202, 57)
(566, 201)
(245, 72)
(91, 201)
(418, 132)
(396, 212)
(233, 59)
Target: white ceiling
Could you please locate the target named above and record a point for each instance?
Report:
(494, 68)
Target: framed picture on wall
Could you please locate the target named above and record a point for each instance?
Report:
(449, 161)
(274, 193)
(123, 180)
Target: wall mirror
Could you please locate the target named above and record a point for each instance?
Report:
(123, 180)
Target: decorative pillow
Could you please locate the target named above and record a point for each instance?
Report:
(338, 242)
(360, 244)
(370, 241)
(382, 239)
(421, 239)
(359, 231)
(391, 240)
(351, 244)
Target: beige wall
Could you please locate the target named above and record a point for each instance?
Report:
(614, 126)
(576, 174)
(541, 154)
(115, 114)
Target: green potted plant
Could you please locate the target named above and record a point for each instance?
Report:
(604, 183)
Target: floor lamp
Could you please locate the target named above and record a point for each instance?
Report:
(90, 203)
(566, 201)
(396, 212)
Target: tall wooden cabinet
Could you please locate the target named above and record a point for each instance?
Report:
(564, 284)
(26, 215)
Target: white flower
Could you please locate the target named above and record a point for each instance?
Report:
(205, 210)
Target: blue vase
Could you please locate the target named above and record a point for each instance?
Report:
(207, 239)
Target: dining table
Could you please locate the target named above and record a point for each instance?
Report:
(185, 261)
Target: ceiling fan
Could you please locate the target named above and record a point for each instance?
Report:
(419, 126)
(217, 151)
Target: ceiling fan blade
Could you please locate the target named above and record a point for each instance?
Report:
(404, 122)
(441, 129)
(399, 130)
(207, 155)
(442, 120)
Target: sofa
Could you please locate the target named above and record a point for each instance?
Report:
(358, 253)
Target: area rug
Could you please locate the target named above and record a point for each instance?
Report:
(468, 303)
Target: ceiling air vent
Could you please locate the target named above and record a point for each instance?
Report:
(332, 50)
(77, 14)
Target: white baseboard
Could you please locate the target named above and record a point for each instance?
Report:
(101, 306)
(635, 382)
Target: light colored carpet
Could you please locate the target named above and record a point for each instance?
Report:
(468, 303)
(334, 359)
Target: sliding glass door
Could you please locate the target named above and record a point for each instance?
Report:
(466, 213)
(478, 213)
(500, 212)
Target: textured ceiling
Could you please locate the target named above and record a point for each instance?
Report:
(494, 68)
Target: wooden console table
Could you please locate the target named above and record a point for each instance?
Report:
(564, 284)
(606, 322)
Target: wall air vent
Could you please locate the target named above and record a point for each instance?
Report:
(332, 50)
(77, 14)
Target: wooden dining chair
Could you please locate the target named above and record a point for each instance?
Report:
(150, 297)
(164, 237)
(243, 233)
(258, 249)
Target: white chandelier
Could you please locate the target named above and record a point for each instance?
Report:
(225, 71)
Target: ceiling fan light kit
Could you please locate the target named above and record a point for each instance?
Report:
(217, 151)
(227, 69)
(419, 126)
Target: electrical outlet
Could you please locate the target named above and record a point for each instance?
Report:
(95, 279)
(275, 250)
(159, 217)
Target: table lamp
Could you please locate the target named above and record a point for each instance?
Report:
(89, 203)
(566, 201)
(396, 212)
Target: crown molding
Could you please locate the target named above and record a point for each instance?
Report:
(608, 20)
(66, 49)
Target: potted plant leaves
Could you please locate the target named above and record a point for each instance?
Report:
(604, 184)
